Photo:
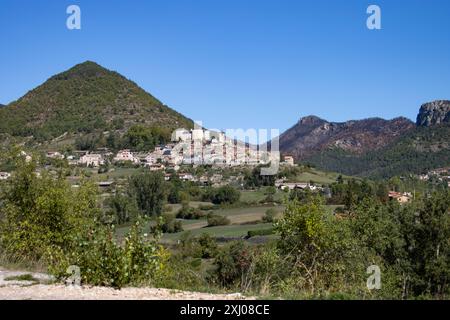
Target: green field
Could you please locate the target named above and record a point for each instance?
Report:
(220, 231)
(242, 220)
(319, 177)
(255, 196)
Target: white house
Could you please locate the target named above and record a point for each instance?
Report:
(151, 158)
(27, 157)
(289, 160)
(94, 160)
(181, 135)
(55, 155)
(157, 167)
(186, 176)
(126, 155)
(4, 175)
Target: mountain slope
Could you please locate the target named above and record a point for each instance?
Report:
(312, 135)
(86, 98)
(374, 147)
(418, 151)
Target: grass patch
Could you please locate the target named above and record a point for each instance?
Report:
(22, 277)
(221, 231)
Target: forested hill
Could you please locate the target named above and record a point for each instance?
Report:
(84, 99)
(374, 147)
(418, 151)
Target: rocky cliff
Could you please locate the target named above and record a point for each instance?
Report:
(434, 113)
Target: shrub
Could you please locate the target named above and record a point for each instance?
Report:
(103, 262)
(170, 224)
(208, 246)
(270, 215)
(232, 262)
(217, 220)
(187, 212)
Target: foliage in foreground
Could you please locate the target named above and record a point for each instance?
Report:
(42, 218)
(315, 254)
(319, 255)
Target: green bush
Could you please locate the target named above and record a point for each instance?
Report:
(270, 215)
(232, 262)
(208, 246)
(39, 212)
(217, 220)
(187, 212)
(103, 262)
(170, 224)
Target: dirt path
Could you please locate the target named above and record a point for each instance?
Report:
(12, 287)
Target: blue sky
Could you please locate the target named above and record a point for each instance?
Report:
(241, 63)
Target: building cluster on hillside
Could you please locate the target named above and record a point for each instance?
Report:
(441, 174)
(282, 185)
(190, 147)
(200, 146)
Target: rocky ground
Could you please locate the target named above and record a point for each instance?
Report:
(16, 285)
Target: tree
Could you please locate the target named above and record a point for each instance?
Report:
(270, 193)
(124, 208)
(139, 138)
(431, 253)
(255, 179)
(149, 190)
(142, 138)
(270, 215)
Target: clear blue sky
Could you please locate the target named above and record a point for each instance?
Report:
(241, 63)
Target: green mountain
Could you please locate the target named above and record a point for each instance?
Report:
(86, 99)
(374, 147)
(418, 151)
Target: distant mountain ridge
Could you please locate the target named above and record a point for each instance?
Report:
(312, 134)
(374, 147)
(86, 98)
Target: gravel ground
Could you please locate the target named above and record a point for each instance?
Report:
(36, 290)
